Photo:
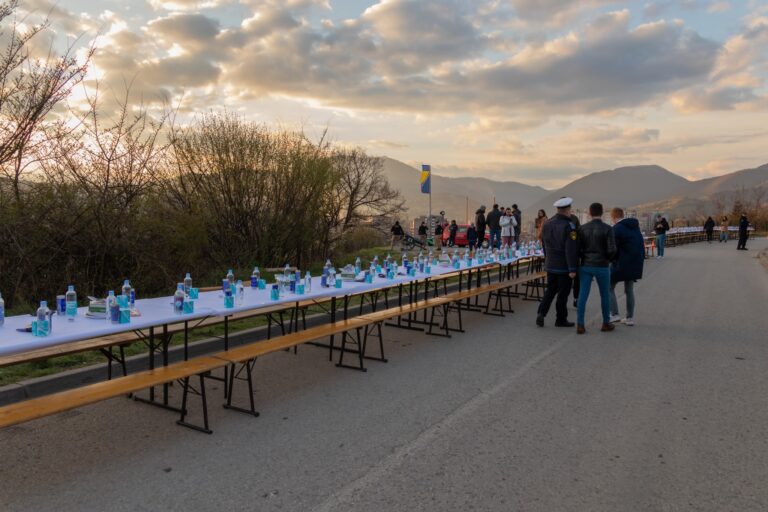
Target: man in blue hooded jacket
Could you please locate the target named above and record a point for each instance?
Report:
(627, 266)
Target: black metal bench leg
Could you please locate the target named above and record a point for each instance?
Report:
(201, 392)
(248, 368)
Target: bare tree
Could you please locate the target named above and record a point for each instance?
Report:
(30, 88)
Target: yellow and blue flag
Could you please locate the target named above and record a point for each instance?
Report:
(426, 178)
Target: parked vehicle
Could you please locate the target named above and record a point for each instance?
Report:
(461, 236)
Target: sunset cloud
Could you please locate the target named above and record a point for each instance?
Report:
(479, 84)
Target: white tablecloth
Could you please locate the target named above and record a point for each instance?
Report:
(158, 311)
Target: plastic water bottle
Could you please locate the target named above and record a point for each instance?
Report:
(187, 284)
(43, 325)
(111, 306)
(287, 278)
(255, 277)
(231, 277)
(375, 260)
(126, 288)
(326, 273)
(240, 293)
(71, 299)
(178, 299)
(307, 282)
(358, 265)
(2, 310)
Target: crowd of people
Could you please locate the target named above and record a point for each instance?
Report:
(576, 255)
(709, 229)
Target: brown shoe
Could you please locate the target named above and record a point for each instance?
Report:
(580, 329)
(607, 327)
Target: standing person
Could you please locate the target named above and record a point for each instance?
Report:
(507, 224)
(541, 218)
(423, 233)
(439, 236)
(627, 267)
(480, 223)
(661, 227)
(493, 221)
(743, 232)
(518, 215)
(452, 230)
(577, 279)
(397, 234)
(472, 236)
(709, 228)
(597, 247)
(724, 229)
(561, 252)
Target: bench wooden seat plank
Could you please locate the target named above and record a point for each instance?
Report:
(59, 402)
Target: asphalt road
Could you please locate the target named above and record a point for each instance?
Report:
(669, 415)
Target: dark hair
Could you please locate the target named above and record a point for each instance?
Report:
(596, 210)
(618, 213)
(496, 207)
(514, 206)
(543, 213)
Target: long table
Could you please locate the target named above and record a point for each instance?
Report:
(158, 312)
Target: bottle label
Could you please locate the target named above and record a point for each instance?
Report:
(72, 308)
(254, 282)
(114, 313)
(178, 304)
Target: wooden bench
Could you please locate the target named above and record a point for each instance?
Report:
(35, 408)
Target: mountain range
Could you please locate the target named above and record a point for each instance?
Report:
(644, 188)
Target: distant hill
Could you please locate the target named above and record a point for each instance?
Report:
(746, 178)
(451, 194)
(624, 186)
(644, 188)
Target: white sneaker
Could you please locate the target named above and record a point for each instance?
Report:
(629, 321)
(614, 319)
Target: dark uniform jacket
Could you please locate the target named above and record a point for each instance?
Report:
(423, 229)
(597, 246)
(561, 247)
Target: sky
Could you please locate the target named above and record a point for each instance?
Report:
(537, 91)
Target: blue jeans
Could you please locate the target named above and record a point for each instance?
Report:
(629, 290)
(603, 277)
(660, 240)
(495, 240)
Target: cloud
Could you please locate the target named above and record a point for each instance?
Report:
(183, 29)
(554, 12)
(737, 77)
(385, 144)
(573, 75)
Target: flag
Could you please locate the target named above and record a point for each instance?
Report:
(426, 178)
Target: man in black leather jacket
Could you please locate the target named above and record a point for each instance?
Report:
(561, 254)
(597, 248)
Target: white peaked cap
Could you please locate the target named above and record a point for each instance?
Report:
(563, 202)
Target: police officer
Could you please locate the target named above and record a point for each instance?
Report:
(561, 250)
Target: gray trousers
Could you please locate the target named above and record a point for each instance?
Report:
(629, 291)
